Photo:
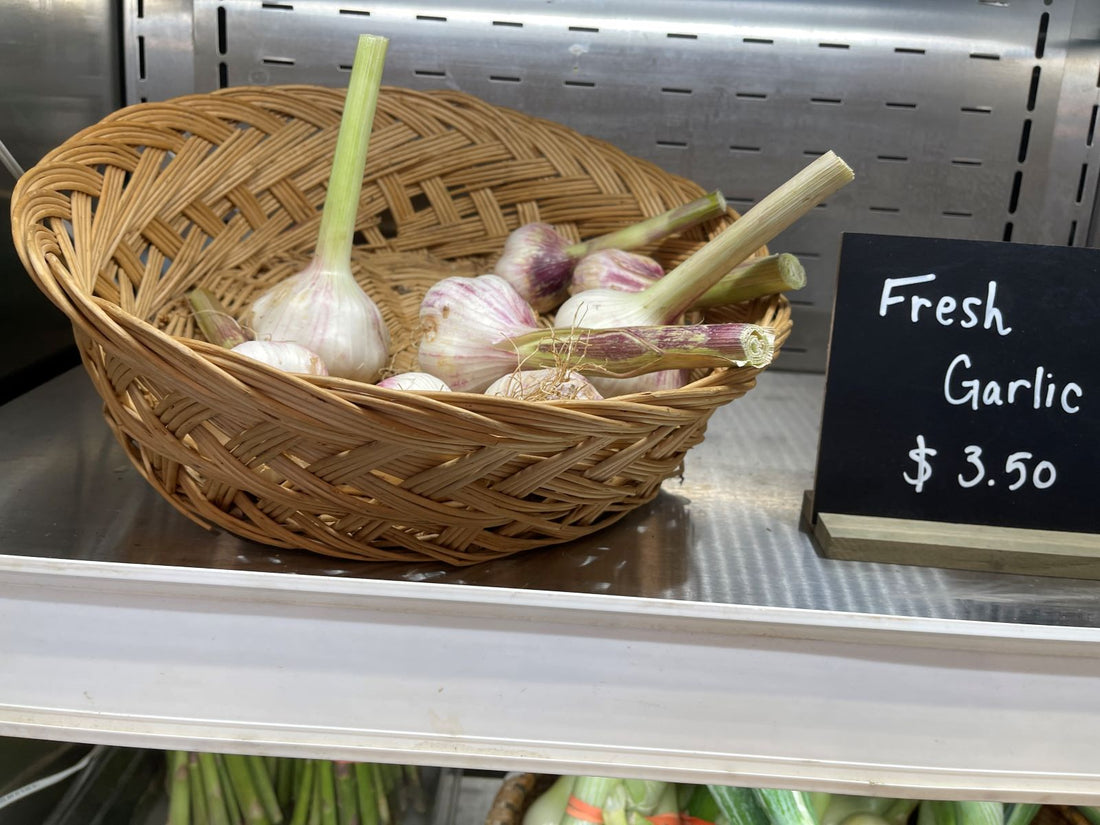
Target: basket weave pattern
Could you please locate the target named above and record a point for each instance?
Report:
(224, 191)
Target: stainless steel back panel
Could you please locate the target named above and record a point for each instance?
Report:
(962, 118)
(59, 72)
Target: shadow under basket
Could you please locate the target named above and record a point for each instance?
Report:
(224, 191)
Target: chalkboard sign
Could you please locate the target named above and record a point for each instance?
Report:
(963, 385)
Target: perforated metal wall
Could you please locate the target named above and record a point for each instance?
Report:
(962, 118)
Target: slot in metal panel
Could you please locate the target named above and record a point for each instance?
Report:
(965, 119)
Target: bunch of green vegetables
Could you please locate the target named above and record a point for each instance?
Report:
(605, 801)
(227, 789)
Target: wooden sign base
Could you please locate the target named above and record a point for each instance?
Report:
(956, 546)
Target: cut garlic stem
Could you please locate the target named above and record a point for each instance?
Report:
(654, 229)
(352, 142)
(769, 275)
(681, 287)
(214, 320)
(631, 351)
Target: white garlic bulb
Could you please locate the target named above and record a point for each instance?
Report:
(284, 355)
(414, 381)
(547, 384)
(325, 310)
(462, 319)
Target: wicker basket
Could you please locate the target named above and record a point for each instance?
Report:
(224, 191)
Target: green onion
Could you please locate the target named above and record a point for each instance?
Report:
(739, 805)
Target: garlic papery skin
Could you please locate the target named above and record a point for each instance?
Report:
(284, 355)
(324, 310)
(614, 269)
(460, 320)
(650, 382)
(535, 264)
(414, 381)
(547, 384)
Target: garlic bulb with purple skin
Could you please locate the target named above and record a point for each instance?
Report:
(461, 318)
(537, 261)
(614, 269)
(414, 381)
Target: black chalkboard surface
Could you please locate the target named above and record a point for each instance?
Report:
(963, 384)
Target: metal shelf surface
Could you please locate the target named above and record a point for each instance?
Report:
(701, 638)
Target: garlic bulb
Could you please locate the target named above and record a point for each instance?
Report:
(547, 384)
(537, 261)
(461, 318)
(284, 355)
(534, 262)
(614, 269)
(222, 329)
(323, 308)
(650, 382)
(414, 381)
